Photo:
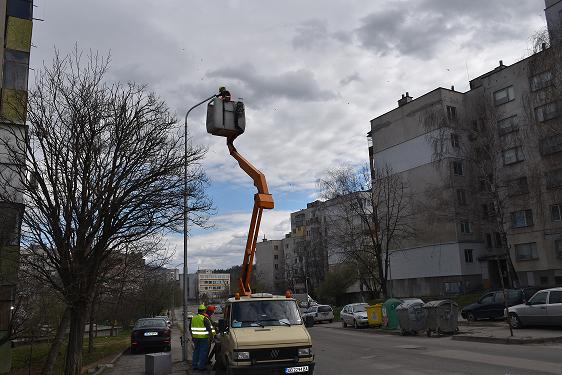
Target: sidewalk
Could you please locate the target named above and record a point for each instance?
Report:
(133, 364)
(498, 333)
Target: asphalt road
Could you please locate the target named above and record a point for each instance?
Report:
(348, 351)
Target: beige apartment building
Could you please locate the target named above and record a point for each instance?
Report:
(212, 286)
(485, 169)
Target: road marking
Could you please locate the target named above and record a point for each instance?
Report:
(499, 360)
(415, 347)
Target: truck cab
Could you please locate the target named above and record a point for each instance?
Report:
(264, 334)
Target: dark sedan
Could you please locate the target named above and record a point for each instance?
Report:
(150, 333)
(491, 305)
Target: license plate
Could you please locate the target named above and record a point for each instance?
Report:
(151, 333)
(294, 370)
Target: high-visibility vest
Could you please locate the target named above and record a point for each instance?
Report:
(212, 325)
(198, 329)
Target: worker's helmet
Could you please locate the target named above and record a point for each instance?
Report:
(222, 88)
(211, 308)
(201, 307)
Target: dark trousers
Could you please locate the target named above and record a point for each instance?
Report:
(200, 350)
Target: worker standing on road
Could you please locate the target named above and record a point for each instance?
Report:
(201, 332)
(212, 343)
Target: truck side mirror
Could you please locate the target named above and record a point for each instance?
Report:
(223, 327)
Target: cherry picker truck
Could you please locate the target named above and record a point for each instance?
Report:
(259, 332)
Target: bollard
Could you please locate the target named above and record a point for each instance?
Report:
(158, 363)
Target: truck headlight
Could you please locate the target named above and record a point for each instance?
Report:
(305, 352)
(242, 356)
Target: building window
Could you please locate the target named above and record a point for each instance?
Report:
(554, 178)
(541, 80)
(517, 186)
(522, 219)
(484, 211)
(558, 248)
(546, 112)
(455, 142)
(465, 227)
(551, 145)
(275, 247)
(556, 212)
(276, 266)
(504, 95)
(451, 113)
(488, 240)
(507, 125)
(526, 251)
(461, 197)
(16, 69)
(276, 256)
(468, 256)
(513, 155)
(20, 9)
(498, 239)
(458, 168)
(544, 281)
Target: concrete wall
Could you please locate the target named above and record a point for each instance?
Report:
(270, 263)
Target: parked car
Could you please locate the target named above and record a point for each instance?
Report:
(491, 305)
(150, 333)
(543, 308)
(166, 319)
(320, 313)
(355, 315)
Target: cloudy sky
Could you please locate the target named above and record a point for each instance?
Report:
(312, 74)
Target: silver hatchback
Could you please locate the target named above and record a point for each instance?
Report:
(355, 315)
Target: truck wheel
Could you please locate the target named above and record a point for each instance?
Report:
(470, 317)
(330, 321)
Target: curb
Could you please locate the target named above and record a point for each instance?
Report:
(100, 368)
(508, 340)
(371, 330)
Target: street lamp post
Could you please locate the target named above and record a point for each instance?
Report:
(185, 213)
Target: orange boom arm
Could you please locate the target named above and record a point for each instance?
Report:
(262, 199)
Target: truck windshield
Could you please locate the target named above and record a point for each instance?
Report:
(264, 313)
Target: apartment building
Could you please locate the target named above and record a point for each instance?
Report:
(15, 43)
(485, 168)
(212, 286)
(270, 265)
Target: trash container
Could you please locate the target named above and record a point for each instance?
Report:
(389, 318)
(374, 314)
(411, 316)
(442, 316)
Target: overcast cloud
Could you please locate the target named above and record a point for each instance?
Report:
(312, 74)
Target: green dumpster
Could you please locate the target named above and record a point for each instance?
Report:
(374, 314)
(389, 317)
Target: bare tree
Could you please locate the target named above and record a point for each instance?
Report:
(370, 216)
(102, 169)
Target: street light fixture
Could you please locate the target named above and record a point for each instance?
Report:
(185, 213)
